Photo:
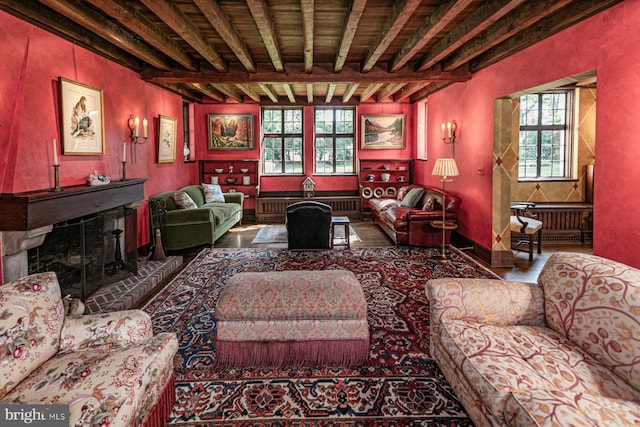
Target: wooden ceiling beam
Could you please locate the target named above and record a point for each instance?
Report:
(176, 20)
(307, 7)
(228, 90)
(389, 90)
(260, 13)
(295, 73)
(409, 90)
(435, 24)
(52, 21)
(309, 92)
(429, 89)
(402, 11)
(220, 21)
(181, 90)
(485, 16)
(267, 90)
(526, 15)
(289, 92)
(369, 91)
(546, 27)
(348, 93)
(208, 91)
(82, 15)
(356, 9)
(248, 91)
(130, 17)
(330, 91)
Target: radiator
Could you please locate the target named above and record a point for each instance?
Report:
(272, 209)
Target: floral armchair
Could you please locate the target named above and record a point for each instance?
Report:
(109, 368)
(560, 352)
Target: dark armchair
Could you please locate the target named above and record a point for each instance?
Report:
(308, 225)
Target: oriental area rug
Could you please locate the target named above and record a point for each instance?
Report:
(278, 234)
(399, 384)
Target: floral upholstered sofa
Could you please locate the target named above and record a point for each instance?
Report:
(109, 368)
(563, 352)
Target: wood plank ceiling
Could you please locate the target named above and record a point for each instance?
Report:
(304, 51)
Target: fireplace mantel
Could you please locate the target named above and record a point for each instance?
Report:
(33, 209)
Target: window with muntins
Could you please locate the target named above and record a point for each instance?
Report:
(334, 144)
(282, 141)
(545, 136)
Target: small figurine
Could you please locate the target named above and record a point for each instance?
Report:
(96, 179)
(230, 169)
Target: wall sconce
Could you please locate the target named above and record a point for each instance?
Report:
(134, 125)
(449, 132)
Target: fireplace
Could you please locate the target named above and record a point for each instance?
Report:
(87, 235)
(90, 252)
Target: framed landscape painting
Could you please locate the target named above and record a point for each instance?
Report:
(167, 129)
(230, 131)
(383, 131)
(81, 118)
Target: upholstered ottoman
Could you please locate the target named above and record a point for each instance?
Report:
(292, 318)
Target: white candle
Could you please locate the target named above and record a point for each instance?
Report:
(137, 127)
(124, 152)
(144, 128)
(448, 129)
(443, 134)
(55, 153)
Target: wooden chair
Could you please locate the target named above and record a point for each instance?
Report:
(525, 228)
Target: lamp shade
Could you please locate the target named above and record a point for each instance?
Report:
(445, 167)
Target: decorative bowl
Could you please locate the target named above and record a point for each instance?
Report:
(244, 170)
(231, 180)
(218, 170)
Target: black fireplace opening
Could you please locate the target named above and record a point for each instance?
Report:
(89, 252)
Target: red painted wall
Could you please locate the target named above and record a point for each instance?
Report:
(606, 43)
(32, 61)
(294, 183)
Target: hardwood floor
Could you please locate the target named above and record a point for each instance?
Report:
(373, 236)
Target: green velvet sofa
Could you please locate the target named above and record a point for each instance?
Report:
(187, 228)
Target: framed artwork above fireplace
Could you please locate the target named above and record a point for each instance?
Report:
(81, 118)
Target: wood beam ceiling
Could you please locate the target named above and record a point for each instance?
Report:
(247, 51)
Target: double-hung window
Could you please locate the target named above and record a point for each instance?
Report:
(545, 150)
(334, 141)
(282, 141)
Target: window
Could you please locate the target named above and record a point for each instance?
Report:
(334, 141)
(282, 143)
(545, 136)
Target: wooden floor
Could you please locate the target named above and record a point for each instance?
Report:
(373, 236)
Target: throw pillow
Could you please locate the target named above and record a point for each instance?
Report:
(212, 193)
(429, 204)
(402, 191)
(412, 197)
(183, 200)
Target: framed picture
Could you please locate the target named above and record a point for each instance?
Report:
(383, 131)
(81, 118)
(167, 134)
(230, 131)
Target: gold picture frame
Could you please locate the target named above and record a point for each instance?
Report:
(230, 131)
(383, 131)
(167, 135)
(81, 118)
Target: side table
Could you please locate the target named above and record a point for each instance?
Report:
(444, 226)
(340, 221)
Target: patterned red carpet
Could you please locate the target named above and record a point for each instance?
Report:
(399, 384)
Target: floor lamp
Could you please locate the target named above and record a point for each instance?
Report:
(444, 167)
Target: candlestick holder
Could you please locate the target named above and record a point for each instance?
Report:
(124, 171)
(56, 179)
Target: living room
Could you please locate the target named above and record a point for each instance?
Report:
(599, 47)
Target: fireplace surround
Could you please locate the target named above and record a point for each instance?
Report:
(76, 232)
